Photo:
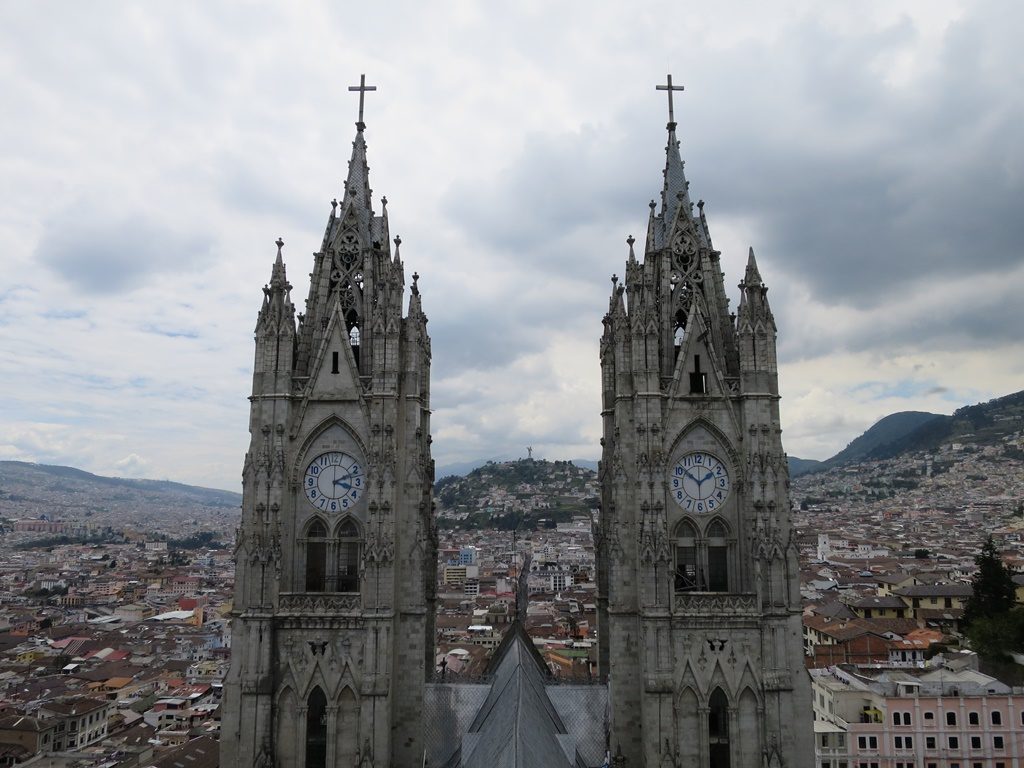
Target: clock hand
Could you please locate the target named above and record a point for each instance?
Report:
(687, 473)
(708, 476)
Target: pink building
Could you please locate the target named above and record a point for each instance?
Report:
(938, 718)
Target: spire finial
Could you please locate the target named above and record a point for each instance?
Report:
(362, 88)
(280, 244)
(671, 112)
(334, 205)
(415, 283)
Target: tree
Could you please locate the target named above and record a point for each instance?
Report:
(993, 588)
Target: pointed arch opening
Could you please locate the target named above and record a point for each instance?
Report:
(686, 575)
(348, 544)
(718, 556)
(718, 729)
(316, 729)
(315, 546)
(702, 561)
(679, 332)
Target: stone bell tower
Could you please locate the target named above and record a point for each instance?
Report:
(332, 627)
(699, 606)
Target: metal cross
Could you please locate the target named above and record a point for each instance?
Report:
(668, 87)
(363, 88)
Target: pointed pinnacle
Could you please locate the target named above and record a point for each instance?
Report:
(753, 275)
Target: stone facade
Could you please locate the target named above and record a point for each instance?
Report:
(699, 608)
(332, 629)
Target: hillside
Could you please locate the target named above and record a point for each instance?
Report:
(984, 424)
(910, 432)
(883, 432)
(527, 493)
(32, 491)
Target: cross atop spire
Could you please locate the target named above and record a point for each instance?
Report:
(667, 87)
(363, 88)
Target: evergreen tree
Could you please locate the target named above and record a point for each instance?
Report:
(994, 591)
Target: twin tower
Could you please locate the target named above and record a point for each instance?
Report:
(333, 641)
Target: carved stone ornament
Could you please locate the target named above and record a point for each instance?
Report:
(320, 603)
(713, 604)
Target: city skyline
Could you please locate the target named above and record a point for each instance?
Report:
(869, 156)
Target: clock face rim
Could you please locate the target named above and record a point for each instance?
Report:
(679, 488)
(346, 468)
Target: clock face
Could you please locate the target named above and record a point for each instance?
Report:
(699, 482)
(334, 482)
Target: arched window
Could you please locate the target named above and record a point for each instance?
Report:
(686, 558)
(348, 556)
(316, 557)
(718, 557)
(702, 562)
(332, 560)
(718, 728)
(316, 730)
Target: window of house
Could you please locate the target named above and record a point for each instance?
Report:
(929, 715)
(896, 720)
(929, 742)
(951, 718)
(862, 742)
(975, 742)
(972, 718)
(906, 718)
(997, 742)
(997, 717)
(954, 742)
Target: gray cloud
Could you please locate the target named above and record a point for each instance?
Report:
(100, 254)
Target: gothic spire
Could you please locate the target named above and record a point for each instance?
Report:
(358, 195)
(675, 192)
(752, 277)
(277, 303)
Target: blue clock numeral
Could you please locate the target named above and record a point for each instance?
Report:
(312, 494)
(314, 470)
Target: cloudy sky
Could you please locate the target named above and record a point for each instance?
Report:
(871, 152)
